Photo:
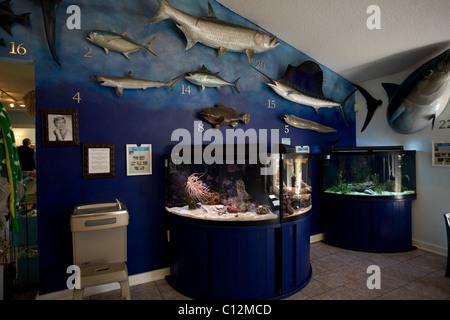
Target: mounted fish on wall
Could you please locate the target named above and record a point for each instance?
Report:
(205, 78)
(109, 40)
(130, 82)
(372, 105)
(215, 33)
(422, 96)
(307, 124)
(8, 17)
(222, 116)
(303, 85)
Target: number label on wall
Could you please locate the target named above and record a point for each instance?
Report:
(444, 124)
(19, 49)
(185, 90)
(77, 97)
(271, 104)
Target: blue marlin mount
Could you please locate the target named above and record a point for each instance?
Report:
(422, 96)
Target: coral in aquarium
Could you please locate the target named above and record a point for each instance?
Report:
(197, 189)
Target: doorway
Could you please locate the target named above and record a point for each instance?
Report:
(19, 262)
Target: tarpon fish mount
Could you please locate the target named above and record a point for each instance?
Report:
(222, 116)
(49, 12)
(303, 85)
(109, 40)
(130, 82)
(307, 124)
(372, 105)
(215, 33)
(205, 78)
(422, 96)
(8, 17)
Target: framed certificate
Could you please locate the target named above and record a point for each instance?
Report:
(98, 160)
(139, 159)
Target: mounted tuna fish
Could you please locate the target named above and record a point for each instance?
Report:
(117, 42)
(307, 75)
(422, 97)
(222, 116)
(205, 78)
(372, 105)
(215, 33)
(130, 82)
(307, 124)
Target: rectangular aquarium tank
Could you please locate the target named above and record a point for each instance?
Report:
(370, 171)
(241, 187)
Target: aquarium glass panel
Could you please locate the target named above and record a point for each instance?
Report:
(221, 192)
(296, 175)
(370, 173)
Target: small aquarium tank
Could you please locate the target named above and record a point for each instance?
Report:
(370, 171)
(239, 188)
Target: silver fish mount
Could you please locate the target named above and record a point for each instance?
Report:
(206, 78)
(110, 40)
(307, 124)
(421, 97)
(130, 82)
(215, 33)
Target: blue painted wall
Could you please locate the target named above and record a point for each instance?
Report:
(148, 116)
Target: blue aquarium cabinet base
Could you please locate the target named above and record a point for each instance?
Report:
(211, 261)
(372, 225)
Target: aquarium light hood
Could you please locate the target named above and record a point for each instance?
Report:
(368, 149)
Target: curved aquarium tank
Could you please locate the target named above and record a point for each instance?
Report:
(239, 185)
(383, 172)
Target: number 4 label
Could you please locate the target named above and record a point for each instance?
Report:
(77, 97)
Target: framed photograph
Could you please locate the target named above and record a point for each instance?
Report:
(440, 153)
(139, 159)
(99, 160)
(59, 127)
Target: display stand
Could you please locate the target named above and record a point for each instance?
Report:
(368, 224)
(211, 260)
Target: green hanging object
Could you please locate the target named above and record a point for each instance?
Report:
(9, 163)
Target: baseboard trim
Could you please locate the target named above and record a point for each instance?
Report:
(430, 247)
(135, 279)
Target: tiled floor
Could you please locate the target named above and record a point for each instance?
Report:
(340, 274)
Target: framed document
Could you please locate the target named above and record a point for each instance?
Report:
(139, 159)
(98, 160)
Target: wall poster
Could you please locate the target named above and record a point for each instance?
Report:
(139, 159)
(441, 154)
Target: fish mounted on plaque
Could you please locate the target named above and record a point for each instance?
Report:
(110, 40)
(130, 82)
(216, 33)
(303, 85)
(422, 96)
(206, 78)
(307, 124)
(222, 116)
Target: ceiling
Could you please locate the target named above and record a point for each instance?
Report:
(335, 32)
(16, 79)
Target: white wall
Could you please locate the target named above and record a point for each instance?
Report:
(433, 183)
